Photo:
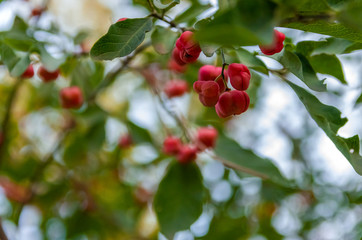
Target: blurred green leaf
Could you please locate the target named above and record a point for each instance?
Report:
(138, 134)
(328, 64)
(15, 64)
(329, 120)
(249, 23)
(190, 14)
(253, 89)
(178, 201)
(209, 49)
(121, 39)
(291, 62)
(48, 60)
(351, 15)
(236, 156)
(251, 61)
(163, 39)
(160, 4)
(225, 227)
(327, 46)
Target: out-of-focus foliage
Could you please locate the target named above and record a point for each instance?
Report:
(68, 169)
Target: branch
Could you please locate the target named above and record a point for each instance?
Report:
(2, 232)
(170, 22)
(111, 76)
(6, 120)
(307, 18)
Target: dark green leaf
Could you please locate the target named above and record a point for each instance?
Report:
(351, 15)
(309, 76)
(190, 14)
(163, 39)
(251, 60)
(178, 201)
(16, 65)
(225, 227)
(337, 30)
(329, 120)
(239, 158)
(162, 5)
(249, 23)
(328, 64)
(138, 134)
(328, 46)
(292, 62)
(209, 49)
(121, 39)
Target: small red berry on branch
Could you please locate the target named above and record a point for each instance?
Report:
(212, 73)
(175, 88)
(239, 75)
(171, 145)
(232, 103)
(187, 154)
(276, 46)
(29, 72)
(206, 137)
(125, 141)
(189, 49)
(209, 92)
(71, 97)
(47, 76)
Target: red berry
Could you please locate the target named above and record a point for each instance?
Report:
(46, 75)
(121, 19)
(176, 57)
(188, 47)
(239, 75)
(36, 12)
(210, 73)
(71, 97)
(232, 103)
(174, 66)
(125, 141)
(276, 46)
(29, 72)
(175, 88)
(209, 92)
(206, 137)
(187, 153)
(171, 145)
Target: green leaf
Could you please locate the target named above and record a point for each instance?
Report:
(121, 39)
(250, 60)
(225, 227)
(329, 120)
(16, 65)
(142, 3)
(309, 76)
(328, 46)
(239, 158)
(161, 5)
(48, 60)
(190, 14)
(163, 39)
(328, 64)
(351, 15)
(334, 29)
(248, 23)
(138, 134)
(178, 201)
(292, 62)
(209, 49)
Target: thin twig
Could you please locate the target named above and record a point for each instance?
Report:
(111, 76)
(170, 22)
(2, 232)
(308, 18)
(6, 120)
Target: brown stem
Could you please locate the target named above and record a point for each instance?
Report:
(6, 120)
(2, 232)
(307, 18)
(170, 22)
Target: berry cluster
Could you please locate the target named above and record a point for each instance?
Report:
(213, 90)
(185, 153)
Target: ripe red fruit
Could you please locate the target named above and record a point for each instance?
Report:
(189, 48)
(71, 97)
(206, 137)
(175, 88)
(46, 75)
(276, 46)
(36, 12)
(125, 141)
(239, 76)
(209, 92)
(232, 103)
(171, 145)
(210, 73)
(121, 19)
(187, 153)
(176, 57)
(174, 66)
(29, 72)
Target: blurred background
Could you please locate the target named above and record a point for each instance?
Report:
(79, 198)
